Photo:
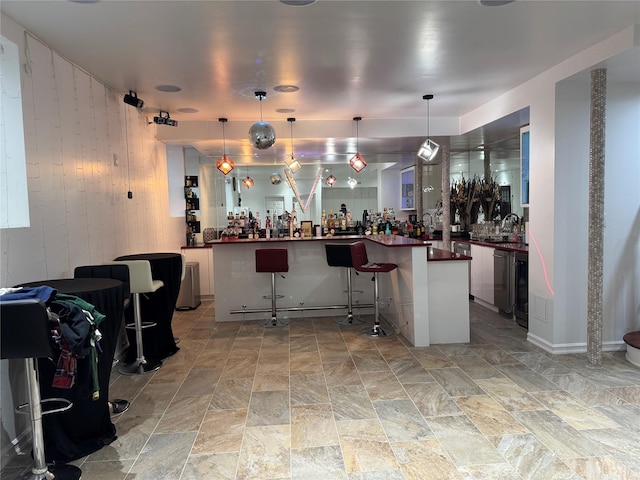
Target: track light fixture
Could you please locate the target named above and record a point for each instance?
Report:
(357, 162)
(291, 161)
(224, 163)
(163, 118)
(261, 134)
(429, 148)
(132, 99)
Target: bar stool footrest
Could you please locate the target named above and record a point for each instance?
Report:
(140, 367)
(67, 405)
(132, 326)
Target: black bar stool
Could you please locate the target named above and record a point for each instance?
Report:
(339, 255)
(273, 260)
(25, 334)
(361, 264)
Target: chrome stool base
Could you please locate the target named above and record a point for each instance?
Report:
(275, 322)
(376, 332)
(140, 367)
(350, 320)
(58, 472)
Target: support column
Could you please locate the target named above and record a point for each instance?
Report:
(446, 194)
(596, 215)
(417, 188)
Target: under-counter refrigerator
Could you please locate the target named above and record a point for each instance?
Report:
(189, 296)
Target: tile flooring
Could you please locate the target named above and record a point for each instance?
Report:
(316, 400)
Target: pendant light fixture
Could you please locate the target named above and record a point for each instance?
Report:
(261, 134)
(352, 182)
(224, 164)
(357, 162)
(291, 161)
(330, 180)
(429, 148)
(248, 181)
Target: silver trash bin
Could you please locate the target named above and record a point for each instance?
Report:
(189, 296)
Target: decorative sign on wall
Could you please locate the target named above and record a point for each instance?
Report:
(304, 206)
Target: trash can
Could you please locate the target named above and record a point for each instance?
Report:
(189, 296)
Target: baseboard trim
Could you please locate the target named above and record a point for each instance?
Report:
(581, 347)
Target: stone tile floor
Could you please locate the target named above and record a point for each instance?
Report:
(316, 400)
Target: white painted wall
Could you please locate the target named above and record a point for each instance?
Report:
(555, 323)
(78, 206)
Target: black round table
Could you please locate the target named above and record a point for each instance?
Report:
(87, 426)
(159, 342)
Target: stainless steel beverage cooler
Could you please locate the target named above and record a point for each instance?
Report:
(189, 296)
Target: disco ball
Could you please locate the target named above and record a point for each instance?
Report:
(262, 135)
(275, 178)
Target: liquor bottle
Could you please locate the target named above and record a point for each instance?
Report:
(267, 222)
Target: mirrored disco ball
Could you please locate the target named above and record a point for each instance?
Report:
(262, 135)
(275, 178)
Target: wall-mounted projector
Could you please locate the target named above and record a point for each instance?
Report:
(164, 119)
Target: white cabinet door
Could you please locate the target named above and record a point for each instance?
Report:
(487, 275)
(476, 271)
(204, 256)
(482, 273)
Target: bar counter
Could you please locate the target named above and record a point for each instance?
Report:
(426, 298)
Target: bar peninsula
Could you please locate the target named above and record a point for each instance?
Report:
(425, 298)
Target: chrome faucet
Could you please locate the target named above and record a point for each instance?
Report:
(430, 218)
(508, 219)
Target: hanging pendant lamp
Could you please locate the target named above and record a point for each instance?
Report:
(224, 163)
(291, 161)
(429, 148)
(248, 181)
(330, 180)
(261, 134)
(357, 162)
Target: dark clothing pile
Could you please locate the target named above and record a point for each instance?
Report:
(74, 328)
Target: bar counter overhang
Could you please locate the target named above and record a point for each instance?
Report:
(425, 298)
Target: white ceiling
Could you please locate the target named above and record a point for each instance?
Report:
(374, 59)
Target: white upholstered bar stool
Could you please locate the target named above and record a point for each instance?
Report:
(141, 282)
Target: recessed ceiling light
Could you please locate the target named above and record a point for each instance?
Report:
(188, 110)
(495, 3)
(168, 88)
(285, 110)
(286, 88)
(298, 3)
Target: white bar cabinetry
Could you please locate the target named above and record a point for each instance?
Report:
(482, 273)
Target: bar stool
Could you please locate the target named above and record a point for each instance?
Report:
(141, 282)
(632, 339)
(273, 260)
(25, 334)
(339, 255)
(361, 264)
